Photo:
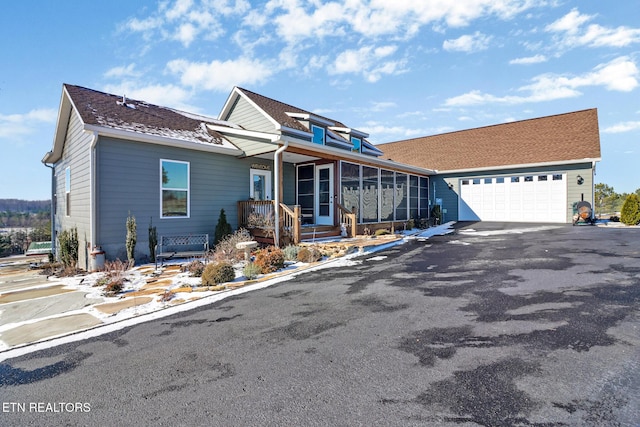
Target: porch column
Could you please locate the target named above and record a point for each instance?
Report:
(277, 169)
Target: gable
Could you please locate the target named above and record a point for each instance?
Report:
(563, 138)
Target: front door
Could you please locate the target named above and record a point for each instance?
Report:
(260, 184)
(324, 195)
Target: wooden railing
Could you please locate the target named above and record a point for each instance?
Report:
(246, 208)
(348, 218)
(290, 220)
(260, 214)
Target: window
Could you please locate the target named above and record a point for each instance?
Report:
(542, 177)
(424, 197)
(318, 134)
(350, 186)
(476, 181)
(306, 192)
(465, 182)
(528, 178)
(500, 180)
(401, 196)
(174, 185)
(413, 196)
(515, 179)
(557, 177)
(67, 190)
(357, 144)
(488, 180)
(369, 194)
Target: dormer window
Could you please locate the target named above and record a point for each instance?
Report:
(318, 134)
(357, 144)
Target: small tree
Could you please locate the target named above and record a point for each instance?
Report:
(153, 240)
(223, 228)
(630, 213)
(69, 245)
(131, 237)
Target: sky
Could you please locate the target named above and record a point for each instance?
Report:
(396, 69)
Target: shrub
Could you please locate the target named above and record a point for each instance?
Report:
(114, 276)
(113, 287)
(269, 259)
(309, 254)
(153, 241)
(194, 268)
(216, 273)
(614, 218)
(251, 271)
(226, 250)
(630, 213)
(131, 237)
(69, 247)
(291, 252)
(223, 228)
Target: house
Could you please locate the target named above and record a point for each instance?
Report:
(113, 157)
(533, 170)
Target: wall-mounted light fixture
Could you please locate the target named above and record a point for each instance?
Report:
(580, 180)
(450, 185)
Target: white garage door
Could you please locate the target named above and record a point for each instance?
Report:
(517, 198)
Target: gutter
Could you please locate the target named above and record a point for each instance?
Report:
(277, 173)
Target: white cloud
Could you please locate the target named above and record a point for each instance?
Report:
(572, 33)
(122, 71)
(220, 75)
(468, 43)
(620, 74)
(369, 61)
(622, 127)
(16, 126)
(536, 59)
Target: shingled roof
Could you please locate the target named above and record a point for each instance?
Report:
(116, 112)
(560, 138)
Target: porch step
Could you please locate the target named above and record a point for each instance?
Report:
(319, 232)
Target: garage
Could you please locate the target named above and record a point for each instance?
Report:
(514, 198)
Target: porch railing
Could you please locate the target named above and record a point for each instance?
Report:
(247, 208)
(260, 214)
(290, 220)
(348, 218)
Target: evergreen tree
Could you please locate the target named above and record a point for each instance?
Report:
(630, 213)
(223, 228)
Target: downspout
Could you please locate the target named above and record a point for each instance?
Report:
(52, 213)
(277, 172)
(92, 191)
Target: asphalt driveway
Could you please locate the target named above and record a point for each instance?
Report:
(495, 325)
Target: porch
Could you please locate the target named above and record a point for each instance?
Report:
(259, 217)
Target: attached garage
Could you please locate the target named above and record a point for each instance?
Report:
(515, 198)
(533, 170)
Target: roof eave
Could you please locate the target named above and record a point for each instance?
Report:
(162, 140)
(522, 166)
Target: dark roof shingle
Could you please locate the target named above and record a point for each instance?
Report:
(116, 112)
(563, 137)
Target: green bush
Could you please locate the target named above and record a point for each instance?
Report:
(216, 273)
(132, 237)
(630, 213)
(269, 259)
(251, 271)
(153, 240)
(309, 254)
(69, 245)
(223, 228)
(291, 252)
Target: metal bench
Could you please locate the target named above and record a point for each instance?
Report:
(181, 246)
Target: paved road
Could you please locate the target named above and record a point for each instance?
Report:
(506, 325)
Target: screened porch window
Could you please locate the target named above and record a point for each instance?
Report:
(174, 185)
(350, 186)
(401, 195)
(387, 185)
(424, 197)
(369, 194)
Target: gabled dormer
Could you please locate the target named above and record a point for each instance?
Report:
(257, 112)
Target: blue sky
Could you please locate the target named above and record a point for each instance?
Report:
(396, 69)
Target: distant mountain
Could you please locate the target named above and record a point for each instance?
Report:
(25, 206)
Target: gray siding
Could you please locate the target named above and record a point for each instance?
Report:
(575, 192)
(76, 155)
(129, 182)
(246, 115)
